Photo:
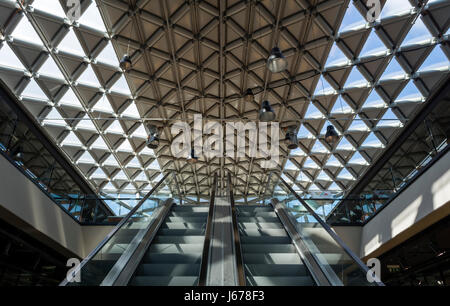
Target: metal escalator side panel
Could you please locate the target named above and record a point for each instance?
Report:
(207, 242)
(125, 267)
(236, 236)
(323, 275)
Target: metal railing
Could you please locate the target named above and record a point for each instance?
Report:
(236, 236)
(344, 272)
(101, 246)
(207, 243)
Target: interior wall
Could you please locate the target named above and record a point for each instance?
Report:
(423, 203)
(25, 206)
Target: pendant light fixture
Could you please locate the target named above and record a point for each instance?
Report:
(331, 137)
(193, 159)
(249, 96)
(125, 63)
(266, 114)
(277, 62)
(153, 139)
(291, 138)
(17, 154)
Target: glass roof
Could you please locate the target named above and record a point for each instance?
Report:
(375, 78)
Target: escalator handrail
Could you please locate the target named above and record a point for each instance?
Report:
(330, 231)
(207, 242)
(114, 231)
(237, 240)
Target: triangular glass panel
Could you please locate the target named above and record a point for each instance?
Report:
(290, 166)
(389, 120)
(8, 58)
(86, 158)
(373, 45)
(344, 145)
(50, 6)
(92, 18)
(51, 69)
(436, 59)
(86, 124)
(120, 176)
(72, 140)
(125, 147)
(111, 161)
(140, 132)
(310, 164)
(392, 70)
(134, 163)
(333, 162)
(409, 92)
(319, 148)
(372, 141)
(98, 174)
(358, 159)
(70, 99)
(88, 77)
(313, 112)
(71, 44)
(115, 128)
(323, 87)
(25, 31)
(418, 33)
(345, 174)
(34, 91)
(336, 56)
(303, 132)
(121, 86)
(154, 166)
(100, 144)
(54, 118)
(393, 7)
(108, 56)
(103, 105)
(352, 18)
(355, 78)
(132, 111)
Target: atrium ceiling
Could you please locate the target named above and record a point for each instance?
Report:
(367, 79)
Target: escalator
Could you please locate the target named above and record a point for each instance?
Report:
(163, 243)
(174, 257)
(269, 256)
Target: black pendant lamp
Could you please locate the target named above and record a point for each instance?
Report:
(291, 138)
(125, 63)
(331, 136)
(153, 139)
(277, 62)
(249, 96)
(192, 158)
(266, 114)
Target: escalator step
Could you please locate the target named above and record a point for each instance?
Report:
(273, 258)
(264, 232)
(185, 258)
(280, 281)
(164, 281)
(256, 219)
(168, 269)
(179, 239)
(181, 232)
(262, 225)
(180, 225)
(268, 248)
(186, 219)
(176, 248)
(275, 270)
(265, 240)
